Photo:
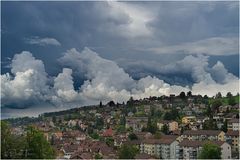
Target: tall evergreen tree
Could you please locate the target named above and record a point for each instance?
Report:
(165, 129)
(225, 126)
(189, 94)
(182, 95)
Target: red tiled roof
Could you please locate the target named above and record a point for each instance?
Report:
(108, 133)
(70, 148)
(86, 156)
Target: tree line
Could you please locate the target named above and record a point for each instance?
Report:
(31, 145)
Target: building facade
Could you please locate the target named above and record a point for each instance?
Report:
(212, 135)
(189, 149)
(232, 137)
(161, 148)
(136, 123)
(188, 119)
(172, 125)
(233, 124)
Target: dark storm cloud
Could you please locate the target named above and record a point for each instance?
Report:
(114, 29)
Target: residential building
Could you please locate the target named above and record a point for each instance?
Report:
(212, 135)
(165, 148)
(17, 131)
(119, 139)
(143, 135)
(230, 116)
(232, 137)
(233, 124)
(80, 155)
(195, 126)
(80, 137)
(188, 119)
(187, 111)
(147, 108)
(58, 135)
(72, 123)
(219, 124)
(189, 149)
(172, 125)
(224, 108)
(136, 123)
(108, 133)
(68, 150)
(158, 106)
(130, 114)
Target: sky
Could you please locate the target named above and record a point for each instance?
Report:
(59, 55)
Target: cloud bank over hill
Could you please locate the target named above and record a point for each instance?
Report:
(29, 84)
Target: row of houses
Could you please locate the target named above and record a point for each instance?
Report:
(186, 146)
(138, 123)
(189, 144)
(169, 147)
(231, 137)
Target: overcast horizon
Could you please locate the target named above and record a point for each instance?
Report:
(60, 55)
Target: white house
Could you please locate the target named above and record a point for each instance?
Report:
(164, 148)
(233, 124)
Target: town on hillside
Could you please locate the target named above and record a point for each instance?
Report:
(183, 126)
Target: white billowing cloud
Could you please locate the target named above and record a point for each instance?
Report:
(93, 93)
(220, 74)
(24, 61)
(209, 46)
(152, 86)
(194, 65)
(43, 41)
(105, 80)
(28, 83)
(211, 89)
(200, 71)
(63, 86)
(219, 80)
(97, 69)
